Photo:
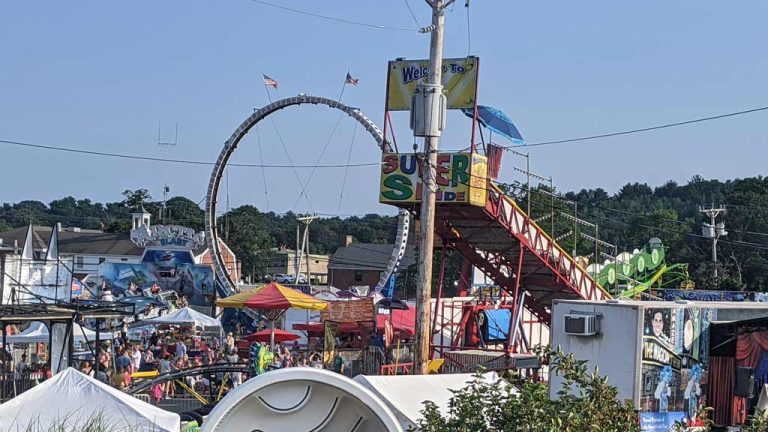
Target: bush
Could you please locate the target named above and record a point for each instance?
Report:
(586, 402)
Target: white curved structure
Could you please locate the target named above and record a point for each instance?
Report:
(301, 400)
(211, 232)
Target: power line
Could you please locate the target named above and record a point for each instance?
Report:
(330, 18)
(629, 213)
(178, 161)
(469, 30)
(647, 129)
(413, 15)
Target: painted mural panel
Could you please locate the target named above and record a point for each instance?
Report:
(170, 270)
(674, 362)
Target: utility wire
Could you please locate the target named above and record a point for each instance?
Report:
(647, 129)
(191, 162)
(413, 15)
(469, 30)
(179, 161)
(346, 170)
(330, 18)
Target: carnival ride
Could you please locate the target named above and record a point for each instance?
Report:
(224, 282)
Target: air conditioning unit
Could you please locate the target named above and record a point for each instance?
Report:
(581, 324)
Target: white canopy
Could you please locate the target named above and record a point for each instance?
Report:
(73, 399)
(37, 332)
(405, 394)
(185, 317)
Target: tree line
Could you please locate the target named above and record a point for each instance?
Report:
(626, 219)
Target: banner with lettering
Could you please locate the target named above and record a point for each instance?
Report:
(459, 82)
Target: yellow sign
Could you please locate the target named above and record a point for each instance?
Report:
(460, 180)
(459, 82)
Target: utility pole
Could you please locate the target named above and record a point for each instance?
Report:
(428, 113)
(713, 230)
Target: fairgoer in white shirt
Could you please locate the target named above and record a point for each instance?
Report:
(136, 358)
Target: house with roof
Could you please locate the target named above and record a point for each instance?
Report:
(361, 264)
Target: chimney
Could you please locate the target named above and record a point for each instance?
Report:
(347, 240)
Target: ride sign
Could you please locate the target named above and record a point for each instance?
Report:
(167, 236)
(461, 178)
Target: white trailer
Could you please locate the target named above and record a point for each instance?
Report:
(655, 353)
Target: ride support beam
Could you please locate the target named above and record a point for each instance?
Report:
(440, 280)
(511, 345)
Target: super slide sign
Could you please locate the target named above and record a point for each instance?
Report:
(461, 178)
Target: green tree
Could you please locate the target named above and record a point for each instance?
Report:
(585, 403)
(135, 198)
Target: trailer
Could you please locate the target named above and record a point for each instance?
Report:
(657, 354)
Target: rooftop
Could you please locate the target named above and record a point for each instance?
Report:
(368, 256)
(75, 241)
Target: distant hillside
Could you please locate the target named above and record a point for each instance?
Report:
(627, 219)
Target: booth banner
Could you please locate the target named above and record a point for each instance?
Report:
(461, 178)
(459, 82)
(349, 311)
(329, 346)
(660, 422)
(675, 362)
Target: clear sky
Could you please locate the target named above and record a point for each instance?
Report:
(100, 74)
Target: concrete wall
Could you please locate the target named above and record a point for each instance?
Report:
(615, 349)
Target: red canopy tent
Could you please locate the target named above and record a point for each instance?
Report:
(264, 335)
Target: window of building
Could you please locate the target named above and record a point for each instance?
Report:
(123, 259)
(101, 260)
(79, 261)
(358, 275)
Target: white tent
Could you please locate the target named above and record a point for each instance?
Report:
(185, 317)
(73, 399)
(37, 332)
(405, 394)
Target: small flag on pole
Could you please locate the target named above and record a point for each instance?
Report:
(269, 81)
(351, 80)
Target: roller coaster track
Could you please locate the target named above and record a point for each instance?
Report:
(142, 386)
(223, 279)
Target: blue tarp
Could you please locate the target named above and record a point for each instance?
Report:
(496, 325)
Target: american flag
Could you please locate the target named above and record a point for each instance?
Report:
(269, 81)
(351, 80)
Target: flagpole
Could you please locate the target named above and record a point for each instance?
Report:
(266, 89)
(342, 90)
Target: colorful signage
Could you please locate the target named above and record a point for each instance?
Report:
(459, 82)
(168, 236)
(660, 422)
(168, 270)
(461, 178)
(674, 365)
(354, 310)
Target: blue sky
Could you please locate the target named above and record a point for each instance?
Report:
(100, 74)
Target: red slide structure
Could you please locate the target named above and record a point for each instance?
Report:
(519, 256)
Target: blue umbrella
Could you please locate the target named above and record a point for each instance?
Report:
(496, 121)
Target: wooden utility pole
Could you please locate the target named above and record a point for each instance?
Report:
(426, 244)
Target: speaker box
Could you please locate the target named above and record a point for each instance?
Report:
(745, 382)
